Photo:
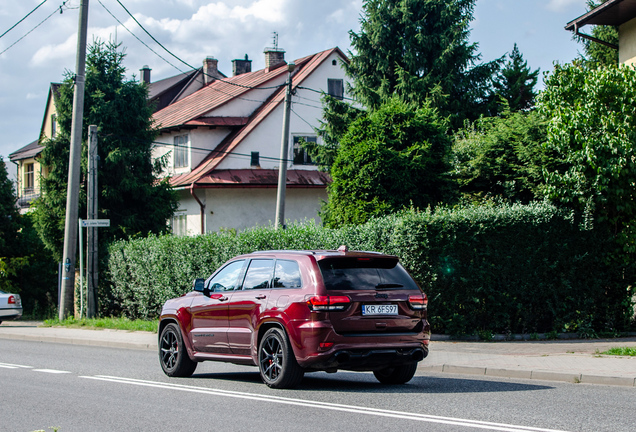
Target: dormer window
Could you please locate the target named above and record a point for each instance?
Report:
(180, 152)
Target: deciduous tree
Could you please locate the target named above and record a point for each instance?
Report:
(502, 158)
(592, 127)
(390, 158)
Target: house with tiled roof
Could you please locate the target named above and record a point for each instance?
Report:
(221, 144)
(161, 93)
(28, 168)
(619, 13)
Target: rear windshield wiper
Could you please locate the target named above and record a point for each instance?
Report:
(388, 285)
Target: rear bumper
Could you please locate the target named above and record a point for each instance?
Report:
(369, 359)
(8, 314)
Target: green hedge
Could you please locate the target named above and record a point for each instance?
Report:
(509, 268)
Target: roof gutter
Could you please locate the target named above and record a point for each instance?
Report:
(592, 38)
(201, 205)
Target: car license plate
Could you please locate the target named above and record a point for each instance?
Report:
(379, 309)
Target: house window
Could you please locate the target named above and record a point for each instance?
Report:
(300, 154)
(29, 177)
(180, 225)
(335, 88)
(53, 125)
(181, 151)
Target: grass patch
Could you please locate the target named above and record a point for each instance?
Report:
(105, 323)
(621, 351)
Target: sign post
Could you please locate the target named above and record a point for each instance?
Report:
(87, 223)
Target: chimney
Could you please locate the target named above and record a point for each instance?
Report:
(210, 71)
(145, 74)
(273, 57)
(241, 66)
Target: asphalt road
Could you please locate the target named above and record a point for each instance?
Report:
(81, 388)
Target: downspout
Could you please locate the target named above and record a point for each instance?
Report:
(592, 38)
(200, 205)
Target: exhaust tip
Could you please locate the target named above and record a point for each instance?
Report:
(418, 355)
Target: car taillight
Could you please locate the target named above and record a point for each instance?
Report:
(328, 303)
(11, 300)
(418, 302)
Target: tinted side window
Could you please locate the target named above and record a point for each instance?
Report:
(287, 275)
(259, 274)
(365, 274)
(227, 278)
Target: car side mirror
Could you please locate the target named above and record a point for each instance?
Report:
(198, 284)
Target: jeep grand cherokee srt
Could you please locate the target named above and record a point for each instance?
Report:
(291, 312)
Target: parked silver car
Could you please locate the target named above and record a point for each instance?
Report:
(10, 306)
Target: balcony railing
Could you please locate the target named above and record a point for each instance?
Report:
(27, 197)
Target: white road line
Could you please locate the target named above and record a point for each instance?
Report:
(14, 366)
(326, 405)
(51, 371)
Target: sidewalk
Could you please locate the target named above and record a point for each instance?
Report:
(574, 361)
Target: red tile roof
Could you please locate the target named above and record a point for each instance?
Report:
(267, 178)
(219, 93)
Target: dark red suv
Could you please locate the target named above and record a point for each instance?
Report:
(291, 312)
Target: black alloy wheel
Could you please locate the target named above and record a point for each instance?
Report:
(173, 355)
(396, 374)
(276, 361)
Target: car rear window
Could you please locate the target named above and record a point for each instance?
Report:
(354, 273)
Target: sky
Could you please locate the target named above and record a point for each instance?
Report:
(227, 30)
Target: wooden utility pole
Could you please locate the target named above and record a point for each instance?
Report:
(91, 213)
(72, 195)
(282, 169)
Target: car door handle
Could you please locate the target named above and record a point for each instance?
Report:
(219, 297)
(261, 296)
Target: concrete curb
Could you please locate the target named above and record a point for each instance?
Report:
(574, 378)
(148, 346)
(462, 358)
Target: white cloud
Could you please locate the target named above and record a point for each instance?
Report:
(53, 53)
(562, 5)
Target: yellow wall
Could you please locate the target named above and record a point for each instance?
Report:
(627, 43)
(47, 125)
(38, 169)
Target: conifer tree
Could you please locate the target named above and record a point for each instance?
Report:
(131, 196)
(419, 51)
(516, 81)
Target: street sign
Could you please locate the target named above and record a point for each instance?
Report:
(95, 223)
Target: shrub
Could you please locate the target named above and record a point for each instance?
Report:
(498, 268)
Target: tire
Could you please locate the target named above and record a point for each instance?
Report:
(276, 361)
(396, 374)
(173, 355)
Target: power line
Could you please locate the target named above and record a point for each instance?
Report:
(298, 115)
(29, 32)
(187, 64)
(322, 92)
(198, 149)
(304, 104)
(25, 17)
(135, 36)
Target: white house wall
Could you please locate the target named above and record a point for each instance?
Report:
(266, 137)
(242, 208)
(201, 141)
